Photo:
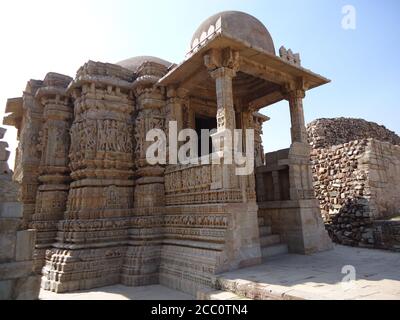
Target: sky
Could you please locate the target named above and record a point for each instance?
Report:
(40, 36)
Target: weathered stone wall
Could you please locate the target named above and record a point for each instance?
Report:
(382, 161)
(17, 280)
(356, 182)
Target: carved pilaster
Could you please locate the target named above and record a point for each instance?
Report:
(176, 102)
(52, 193)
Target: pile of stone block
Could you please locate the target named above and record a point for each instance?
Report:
(17, 280)
(357, 182)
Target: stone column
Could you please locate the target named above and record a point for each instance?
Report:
(259, 155)
(54, 178)
(303, 226)
(300, 174)
(226, 123)
(298, 130)
(242, 243)
(226, 111)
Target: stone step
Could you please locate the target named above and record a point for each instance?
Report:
(212, 294)
(270, 240)
(274, 250)
(265, 231)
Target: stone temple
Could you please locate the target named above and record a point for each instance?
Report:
(103, 215)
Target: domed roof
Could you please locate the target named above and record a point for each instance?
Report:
(134, 63)
(237, 25)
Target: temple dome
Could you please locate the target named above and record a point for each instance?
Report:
(237, 25)
(134, 63)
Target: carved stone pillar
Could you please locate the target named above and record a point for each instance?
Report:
(54, 178)
(142, 262)
(225, 123)
(300, 174)
(259, 155)
(298, 130)
(304, 229)
(92, 238)
(222, 66)
(225, 108)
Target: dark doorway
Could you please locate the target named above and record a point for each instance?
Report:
(203, 122)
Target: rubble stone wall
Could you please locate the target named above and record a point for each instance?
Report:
(343, 192)
(356, 182)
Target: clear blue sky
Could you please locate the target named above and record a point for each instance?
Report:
(363, 64)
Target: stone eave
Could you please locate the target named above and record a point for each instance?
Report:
(188, 67)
